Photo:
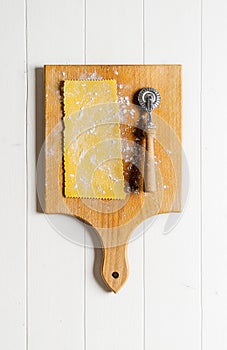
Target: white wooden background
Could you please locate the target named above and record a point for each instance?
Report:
(176, 295)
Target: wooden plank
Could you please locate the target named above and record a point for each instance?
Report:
(56, 270)
(172, 262)
(114, 32)
(214, 175)
(114, 36)
(13, 172)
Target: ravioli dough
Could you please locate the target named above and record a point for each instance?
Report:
(92, 145)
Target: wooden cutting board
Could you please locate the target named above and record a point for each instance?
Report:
(115, 220)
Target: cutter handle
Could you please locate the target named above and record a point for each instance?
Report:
(115, 266)
(149, 167)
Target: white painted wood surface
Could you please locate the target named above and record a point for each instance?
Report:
(176, 294)
(13, 177)
(172, 261)
(55, 266)
(214, 166)
(107, 315)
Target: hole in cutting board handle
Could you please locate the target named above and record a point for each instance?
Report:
(115, 274)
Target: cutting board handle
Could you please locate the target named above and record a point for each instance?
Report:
(115, 266)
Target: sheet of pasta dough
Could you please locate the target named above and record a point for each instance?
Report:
(92, 145)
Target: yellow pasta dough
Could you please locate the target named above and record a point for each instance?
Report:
(92, 144)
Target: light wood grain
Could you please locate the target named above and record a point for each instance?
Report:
(137, 206)
(149, 164)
